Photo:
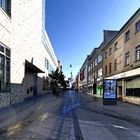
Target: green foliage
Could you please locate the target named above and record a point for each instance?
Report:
(58, 78)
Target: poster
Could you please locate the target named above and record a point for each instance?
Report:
(110, 89)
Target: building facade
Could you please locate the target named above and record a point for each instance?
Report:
(92, 61)
(123, 62)
(95, 65)
(83, 75)
(26, 52)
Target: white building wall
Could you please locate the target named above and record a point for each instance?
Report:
(5, 35)
(23, 34)
(5, 28)
(26, 37)
(27, 19)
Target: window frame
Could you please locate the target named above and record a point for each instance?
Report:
(115, 65)
(127, 36)
(137, 26)
(6, 6)
(105, 54)
(137, 53)
(110, 51)
(105, 69)
(116, 46)
(127, 58)
(110, 67)
(5, 85)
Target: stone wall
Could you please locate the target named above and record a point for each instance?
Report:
(133, 100)
(4, 99)
(21, 91)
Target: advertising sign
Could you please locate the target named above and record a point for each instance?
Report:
(109, 90)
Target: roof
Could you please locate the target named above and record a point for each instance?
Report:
(32, 67)
(123, 27)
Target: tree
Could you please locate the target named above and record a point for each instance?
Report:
(58, 79)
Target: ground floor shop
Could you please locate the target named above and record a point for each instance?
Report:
(132, 90)
(128, 86)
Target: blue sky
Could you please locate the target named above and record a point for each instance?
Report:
(75, 27)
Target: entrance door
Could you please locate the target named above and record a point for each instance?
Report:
(120, 92)
(94, 88)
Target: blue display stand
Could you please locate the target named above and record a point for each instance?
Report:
(109, 92)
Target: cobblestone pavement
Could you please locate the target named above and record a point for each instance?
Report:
(76, 116)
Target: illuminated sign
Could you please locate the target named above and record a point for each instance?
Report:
(110, 89)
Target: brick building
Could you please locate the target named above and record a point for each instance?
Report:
(122, 60)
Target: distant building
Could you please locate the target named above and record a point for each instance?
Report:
(95, 65)
(83, 75)
(26, 54)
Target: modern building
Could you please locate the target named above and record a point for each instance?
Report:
(26, 54)
(122, 60)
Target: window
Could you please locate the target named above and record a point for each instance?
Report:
(6, 6)
(4, 71)
(110, 67)
(137, 26)
(127, 58)
(93, 65)
(88, 68)
(99, 58)
(127, 35)
(106, 70)
(116, 46)
(106, 54)
(115, 65)
(1, 49)
(46, 63)
(100, 73)
(96, 74)
(96, 61)
(137, 54)
(110, 51)
(1, 72)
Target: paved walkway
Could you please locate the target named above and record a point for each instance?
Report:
(122, 109)
(76, 116)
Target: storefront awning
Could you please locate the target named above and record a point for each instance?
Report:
(32, 67)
